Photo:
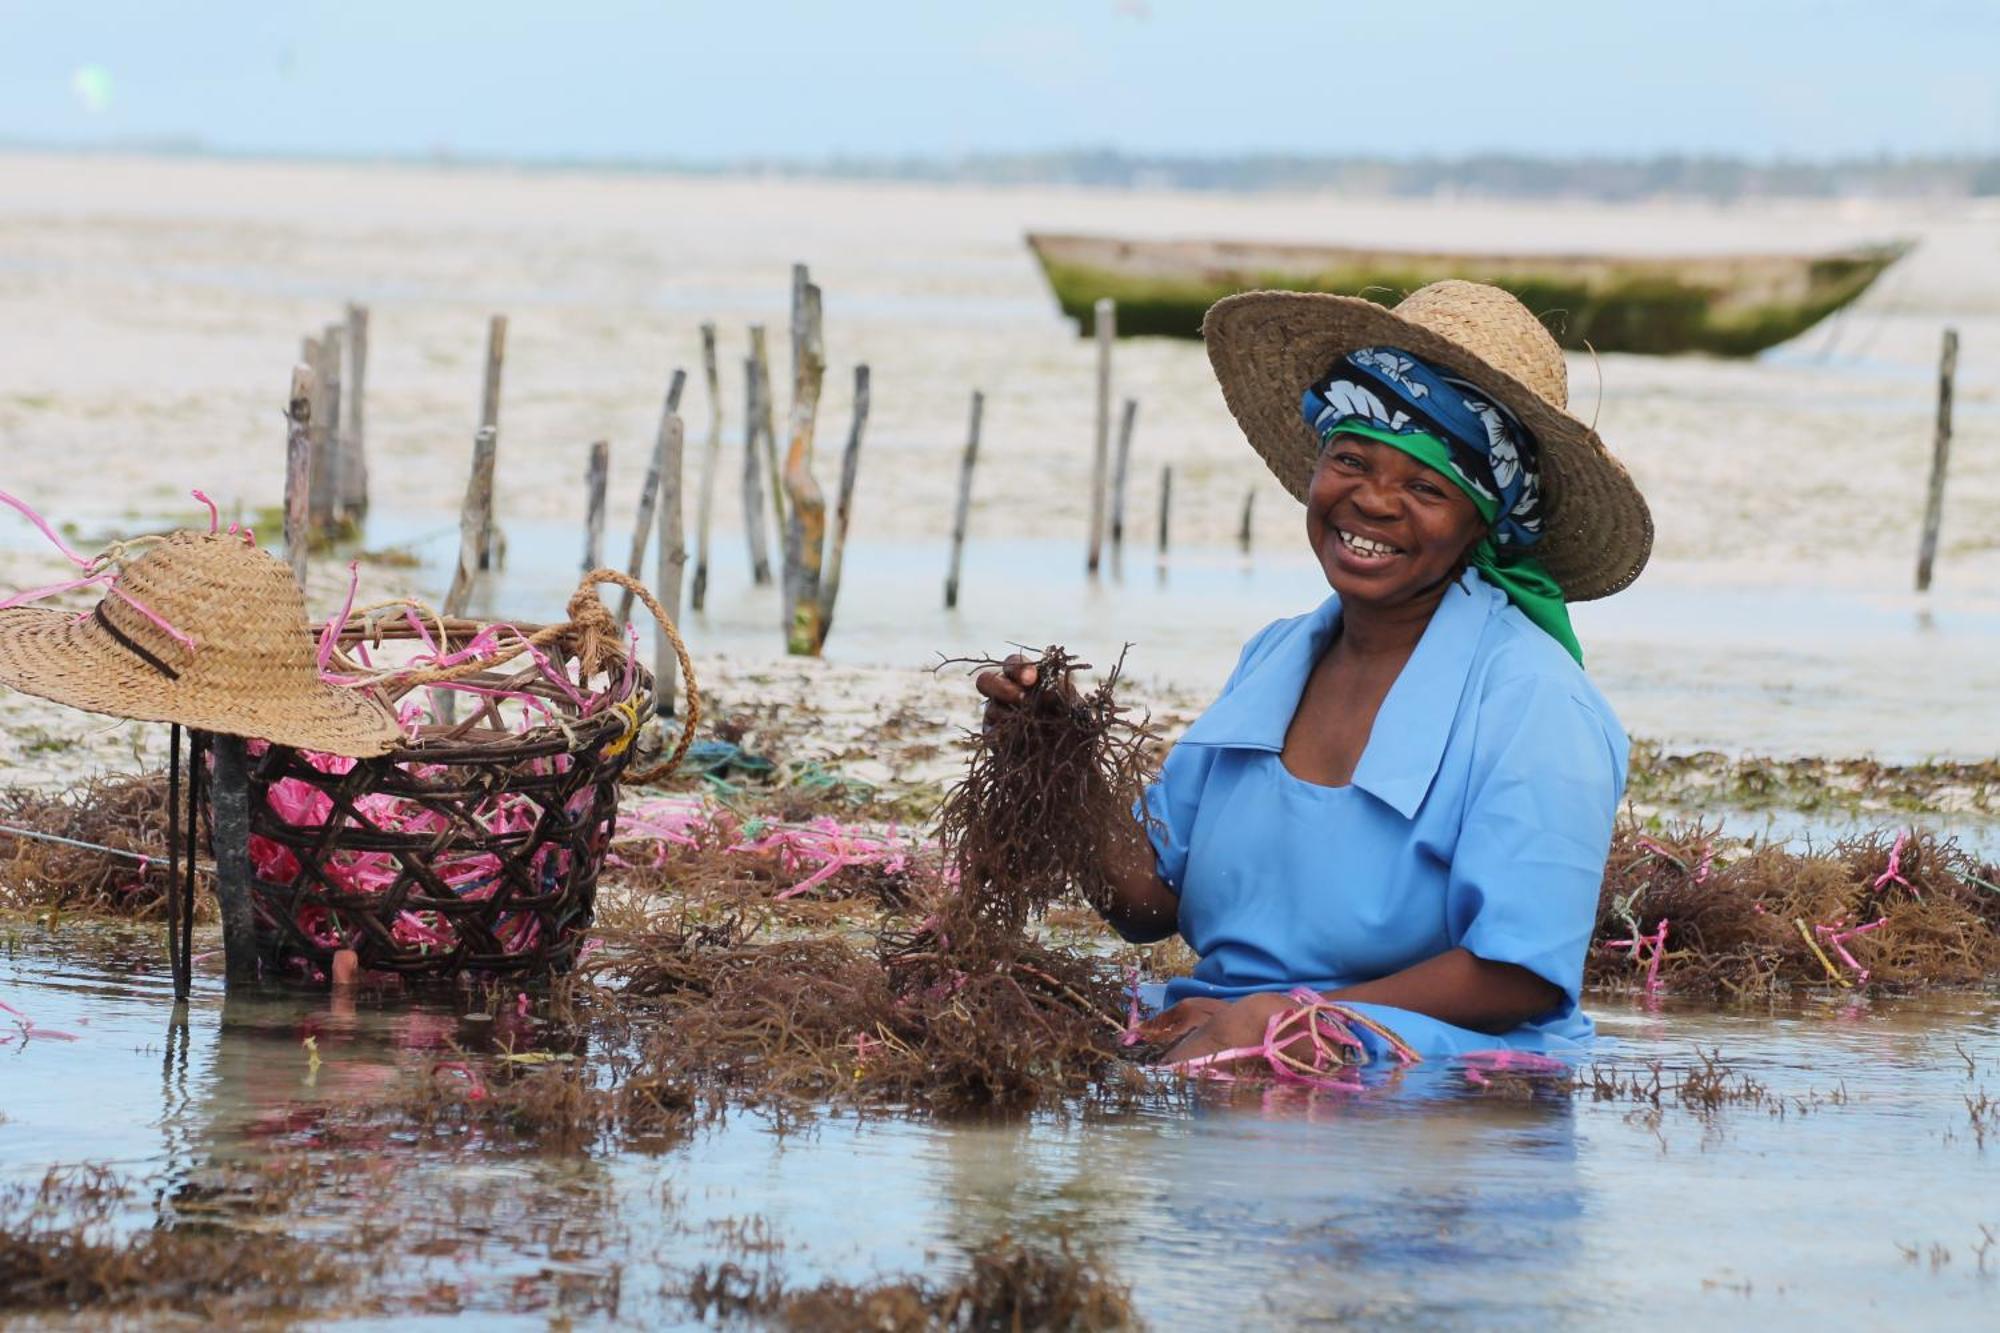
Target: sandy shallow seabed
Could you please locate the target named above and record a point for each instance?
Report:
(152, 309)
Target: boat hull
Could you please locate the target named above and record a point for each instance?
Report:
(1720, 305)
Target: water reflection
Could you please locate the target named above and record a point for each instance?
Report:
(1415, 1204)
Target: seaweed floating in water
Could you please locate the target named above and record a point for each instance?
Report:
(1047, 799)
(60, 1250)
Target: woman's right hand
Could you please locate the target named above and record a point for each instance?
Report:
(1008, 687)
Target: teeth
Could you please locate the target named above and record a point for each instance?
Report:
(1363, 546)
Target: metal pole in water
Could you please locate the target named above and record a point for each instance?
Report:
(1940, 456)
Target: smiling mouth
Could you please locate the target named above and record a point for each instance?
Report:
(1365, 547)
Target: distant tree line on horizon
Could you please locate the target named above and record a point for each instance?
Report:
(1717, 177)
(1491, 174)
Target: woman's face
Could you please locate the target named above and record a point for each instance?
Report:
(1386, 528)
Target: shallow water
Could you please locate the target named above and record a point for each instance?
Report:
(1415, 1205)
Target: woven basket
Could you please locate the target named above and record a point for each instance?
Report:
(472, 848)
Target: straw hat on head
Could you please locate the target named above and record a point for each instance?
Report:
(251, 671)
(1269, 347)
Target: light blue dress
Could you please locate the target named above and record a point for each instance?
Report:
(1479, 817)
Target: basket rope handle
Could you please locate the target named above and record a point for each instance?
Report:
(587, 622)
(594, 634)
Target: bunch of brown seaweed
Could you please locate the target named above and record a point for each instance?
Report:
(1690, 911)
(60, 1251)
(1048, 798)
(127, 814)
(782, 1022)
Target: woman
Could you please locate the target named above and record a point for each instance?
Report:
(1404, 799)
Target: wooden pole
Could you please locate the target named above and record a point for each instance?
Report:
(1118, 474)
(1166, 504)
(850, 467)
(229, 794)
(1243, 532)
(475, 520)
(767, 431)
(298, 470)
(649, 493)
(805, 528)
(332, 349)
(319, 486)
(753, 480)
(489, 418)
(353, 467)
(672, 563)
(596, 478)
(963, 508)
(1940, 456)
(710, 458)
(1104, 319)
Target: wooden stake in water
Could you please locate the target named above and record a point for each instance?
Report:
(332, 349)
(319, 488)
(352, 470)
(489, 418)
(298, 470)
(649, 493)
(963, 508)
(1940, 456)
(1104, 320)
(850, 467)
(596, 479)
(711, 456)
(475, 521)
(753, 478)
(672, 563)
(767, 431)
(1166, 505)
(1249, 507)
(805, 527)
(1118, 474)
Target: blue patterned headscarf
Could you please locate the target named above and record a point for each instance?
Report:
(1450, 425)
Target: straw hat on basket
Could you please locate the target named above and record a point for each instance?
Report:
(1269, 347)
(250, 671)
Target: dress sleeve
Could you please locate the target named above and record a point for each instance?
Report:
(1549, 770)
(1167, 808)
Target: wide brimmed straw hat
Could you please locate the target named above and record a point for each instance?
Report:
(1269, 347)
(251, 671)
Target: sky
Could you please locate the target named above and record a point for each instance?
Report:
(695, 82)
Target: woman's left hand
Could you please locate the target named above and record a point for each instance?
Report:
(1238, 1023)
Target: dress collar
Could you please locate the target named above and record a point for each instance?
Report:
(1408, 739)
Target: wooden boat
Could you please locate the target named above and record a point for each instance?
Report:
(1723, 305)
